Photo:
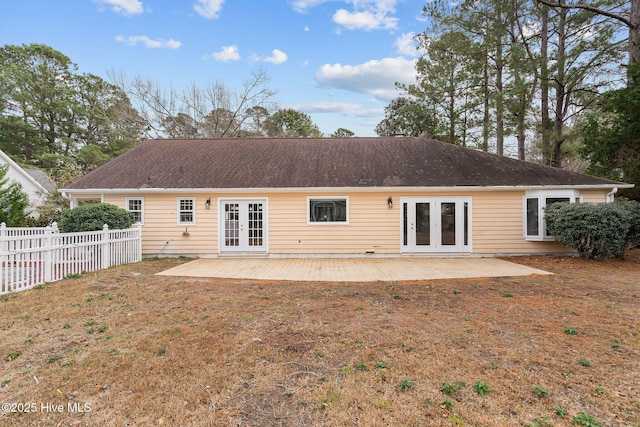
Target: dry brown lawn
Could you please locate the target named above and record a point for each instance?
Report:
(123, 347)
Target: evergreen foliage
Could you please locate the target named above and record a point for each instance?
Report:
(612, 136)
(13, 201)
(289, 123)
(52, 116)
(409, 117)
(93, 216)
(605, 230)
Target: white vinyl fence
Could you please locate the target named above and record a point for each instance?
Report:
(35, 255)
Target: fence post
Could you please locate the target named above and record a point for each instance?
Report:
(48, 252)
(139, 243)
(3, 233)
(4, 261)
(106, 247)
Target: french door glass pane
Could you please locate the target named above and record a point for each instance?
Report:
(231, 224)
(423, 224)
(255, 224)
(448, 223)
(466, 223)
(405, 225)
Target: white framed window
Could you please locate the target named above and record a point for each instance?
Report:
(328, 210)
(135, 205)
(534, 204)
(186, 211)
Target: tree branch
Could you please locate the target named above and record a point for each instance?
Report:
(593, 9)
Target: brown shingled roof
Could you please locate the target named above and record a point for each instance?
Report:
(318, 162)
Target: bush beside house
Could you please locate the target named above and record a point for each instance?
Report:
(605, 230)
(93, 216)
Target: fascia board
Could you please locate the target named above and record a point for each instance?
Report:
(465, 189)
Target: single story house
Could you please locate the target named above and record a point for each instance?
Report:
(334, 196)
(35, 184)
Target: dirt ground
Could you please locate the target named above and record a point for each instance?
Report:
(123, 347)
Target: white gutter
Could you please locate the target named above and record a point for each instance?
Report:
(68, 193)
(610, 196)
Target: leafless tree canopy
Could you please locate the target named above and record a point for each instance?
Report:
(211, 111)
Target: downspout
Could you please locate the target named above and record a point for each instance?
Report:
(610, 196)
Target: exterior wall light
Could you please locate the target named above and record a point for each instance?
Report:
(390, 202)
(207, 204)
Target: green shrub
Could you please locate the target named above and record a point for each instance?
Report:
(604, 230)
(14, 202)
(93, 216)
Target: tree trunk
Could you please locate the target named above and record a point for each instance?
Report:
(486, 118)
(634, 33)
(561, 95)
(452, 112)
(521, 136)
(499, 100)
(520, 112)
(544, 87)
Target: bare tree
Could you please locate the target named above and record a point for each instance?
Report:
(211, 111)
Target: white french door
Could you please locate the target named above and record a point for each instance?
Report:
(436, 224)
(243, 225)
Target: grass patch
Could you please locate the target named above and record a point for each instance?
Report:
(540, 391)
(585, 420)
(406, 384)
(481, 388)
(570, 330)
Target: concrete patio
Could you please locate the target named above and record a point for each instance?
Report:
(350, 269)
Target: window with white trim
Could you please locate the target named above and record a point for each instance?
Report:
(535, 202)
(186, 211)
(333, 210)
(135, 206)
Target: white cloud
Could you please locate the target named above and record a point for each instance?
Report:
(125, 7)
(407, 45)
(367, 20)
(302, 6)
(208, 8)
(277, 57)
(376, 77)
(346, 109)
(226, 54)
(366, 14)
(148, 42)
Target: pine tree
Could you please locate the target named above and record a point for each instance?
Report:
(13, 201)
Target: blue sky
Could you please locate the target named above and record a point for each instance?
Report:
(336, 60)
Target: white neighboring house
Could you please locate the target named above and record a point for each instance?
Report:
(34, 182)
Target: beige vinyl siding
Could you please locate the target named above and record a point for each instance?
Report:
(594, 196)
(161, 233)
(372, 227)
(496, 223)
